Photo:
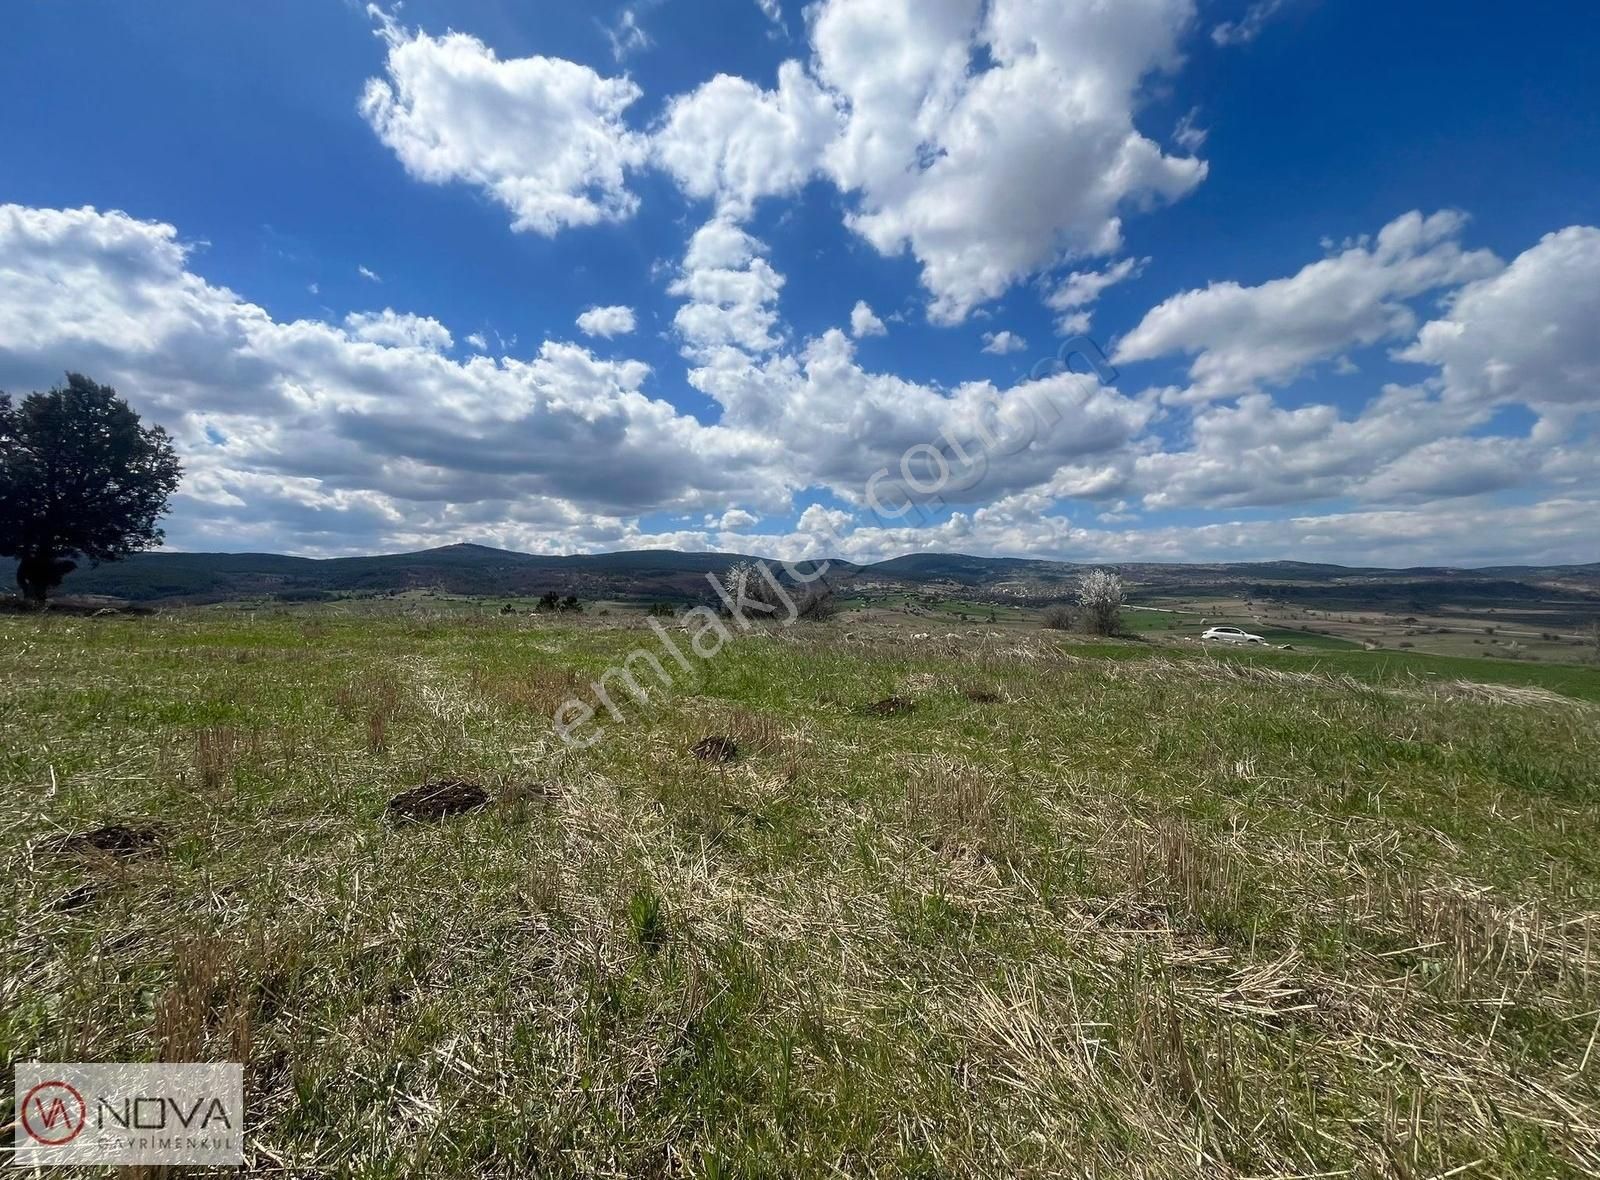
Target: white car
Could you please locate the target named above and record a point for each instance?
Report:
(1231, 635)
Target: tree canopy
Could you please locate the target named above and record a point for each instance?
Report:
(80, 476)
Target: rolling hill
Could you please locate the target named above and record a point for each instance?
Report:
(643, 575)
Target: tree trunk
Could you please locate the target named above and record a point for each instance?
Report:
(40, 573)
(30, 579)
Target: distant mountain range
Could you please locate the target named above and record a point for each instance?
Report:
(644, 575)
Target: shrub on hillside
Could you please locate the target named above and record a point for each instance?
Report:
(551, 601)
(1058, 618)
(747, 581)
(753, 582)
(819, 605)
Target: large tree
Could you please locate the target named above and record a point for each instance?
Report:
(80, 476)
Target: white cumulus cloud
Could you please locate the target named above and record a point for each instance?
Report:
(1529, 334)
(991, 140)
(402, 330)
(607, 321)
(545, 137)
(354, 436)
(366, 434)
(1082, 289)
(731, 293)
(865, 322)
(1003, 343)
(734, 143)
(736, 519)
(1243, 338)
(988, 175)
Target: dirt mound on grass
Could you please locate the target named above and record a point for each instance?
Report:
(716, 749)
(75, 899)
(892, 707)
(437, 800)
(123, 841)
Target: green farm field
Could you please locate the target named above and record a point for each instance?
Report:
(990, 902)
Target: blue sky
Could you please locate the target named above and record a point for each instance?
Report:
(1341, 254)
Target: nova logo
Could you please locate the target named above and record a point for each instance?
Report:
(147, 1112)
(129, 1113)
(53, 1113)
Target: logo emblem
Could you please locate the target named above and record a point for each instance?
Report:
(53, 1113)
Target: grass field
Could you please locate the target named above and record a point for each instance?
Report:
(1554, 635)
(1189, 625)
(1066, 909)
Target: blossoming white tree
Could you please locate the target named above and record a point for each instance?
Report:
(1101, 595)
